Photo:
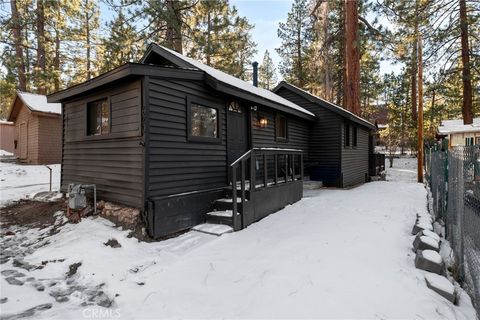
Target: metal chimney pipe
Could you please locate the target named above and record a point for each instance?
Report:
(255, 73)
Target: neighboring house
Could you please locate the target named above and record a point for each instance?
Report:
(7, 131)
(340, 142)
(460, 134)
(38, 129)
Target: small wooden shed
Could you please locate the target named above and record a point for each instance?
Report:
(38, 129)
(339, 143)
(7, 131)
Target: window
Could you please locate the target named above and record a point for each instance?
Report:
(203, 122)
(354, 132)
(477, 141)
(347, 135)
(469, 141)
(234, 106)
(98, 117)
(281, 127)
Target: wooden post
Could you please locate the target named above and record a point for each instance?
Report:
(420, 112)
(275, 165)
(265, 170)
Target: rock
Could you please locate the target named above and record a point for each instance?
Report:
(422, 242)
(441, 285)
(3, 300)
(429, 260)
(113, 243)
(100, 205)
(421, 226)
(9, 233)
(72, 269)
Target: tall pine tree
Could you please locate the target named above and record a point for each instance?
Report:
(267, 72)
(296, 35)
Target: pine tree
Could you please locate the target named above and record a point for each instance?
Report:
(122, 43)
(296, 35)
(267, 73)
(220, 38)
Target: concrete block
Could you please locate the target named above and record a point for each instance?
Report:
(441, 285)
(419, 226)
(429, 260)
(423, 242)
(430, 234)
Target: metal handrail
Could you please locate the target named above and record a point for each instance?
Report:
(250, 155)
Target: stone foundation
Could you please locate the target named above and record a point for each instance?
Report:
(126, 215)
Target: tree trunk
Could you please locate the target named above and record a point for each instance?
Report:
(420, 113)
(352, 57)
(466, 78)
(18, 43)
(88, 40)
(208, 50)
(326, 53)
(414, 66)
(174, 27)
(41, 64)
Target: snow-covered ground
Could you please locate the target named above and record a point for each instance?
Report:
(334, 254)
(21, 181)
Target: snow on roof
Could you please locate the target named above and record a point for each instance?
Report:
(2, 121)
(331, 104)
(238, 83)
(38, 102)
(457, 126)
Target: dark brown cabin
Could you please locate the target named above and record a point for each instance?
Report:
(341, 143)
(179, 139)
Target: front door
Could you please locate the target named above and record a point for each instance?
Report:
(237, 131)
(23, 140)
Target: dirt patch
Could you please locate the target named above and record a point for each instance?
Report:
(31, 213)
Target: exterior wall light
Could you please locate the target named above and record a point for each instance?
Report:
(263, 122)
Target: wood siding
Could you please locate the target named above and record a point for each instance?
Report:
(50, 139)
(355, 159)
(175, 164)
(26, 135)
(113, 162)
(297, 132)
(324, 155)
(7, 136)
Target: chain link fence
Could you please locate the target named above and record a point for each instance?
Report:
(454, 180)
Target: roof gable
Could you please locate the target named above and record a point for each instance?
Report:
(222, 81)
(35, 103)
(324, 103)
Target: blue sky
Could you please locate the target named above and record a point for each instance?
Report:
(265, 16)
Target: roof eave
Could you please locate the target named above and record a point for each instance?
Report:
(234, 91)
(313, 99)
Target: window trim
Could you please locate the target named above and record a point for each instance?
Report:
(204, 103)
(354, 136)
(346, 135)
(108, 135)
(277, 137)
